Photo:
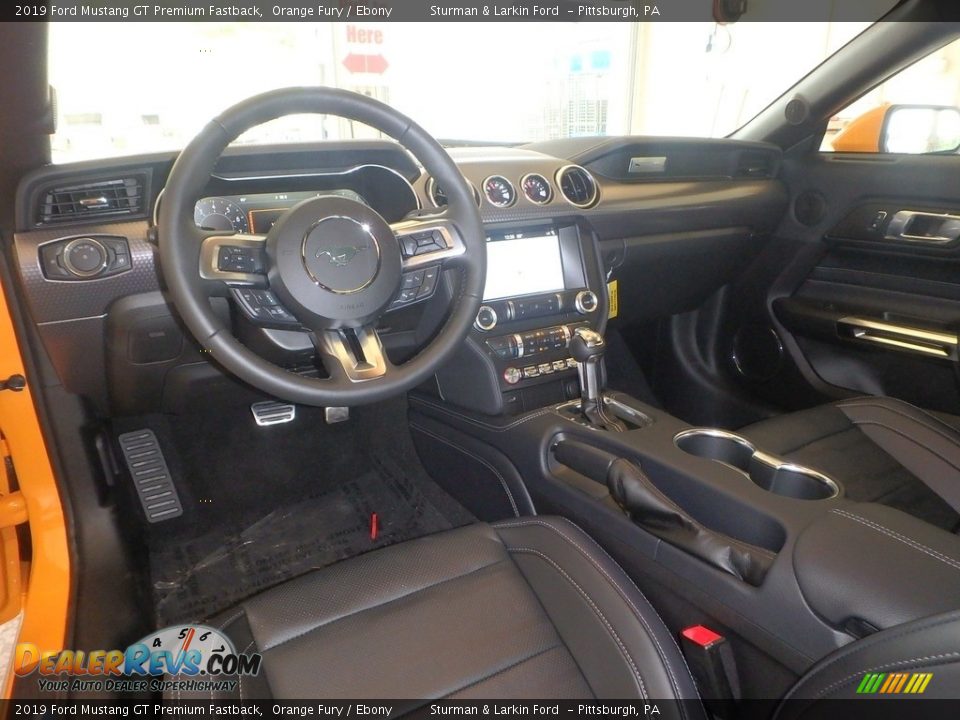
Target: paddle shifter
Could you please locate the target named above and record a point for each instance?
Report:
(587, 348)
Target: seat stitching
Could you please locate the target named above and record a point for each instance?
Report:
(905, 436)
(503, 670)
(886, 666)
(596, 610)
(240, 676)
(854, 648)
(621, 592)
(465, 451)
(385, 603)
(902, 538)
(230, 620)
(931, 423)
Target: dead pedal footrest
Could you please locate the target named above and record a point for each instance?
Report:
(151, 477)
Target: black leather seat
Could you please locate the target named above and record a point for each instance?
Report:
(881, 450)
(529, 608)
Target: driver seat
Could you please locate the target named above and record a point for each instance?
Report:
(528, 608)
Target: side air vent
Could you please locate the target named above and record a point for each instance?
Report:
(93, 200)
(577, 186)
(755, 164)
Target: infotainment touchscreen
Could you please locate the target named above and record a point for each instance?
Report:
(523, 263)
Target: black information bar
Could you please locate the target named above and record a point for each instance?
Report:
(436, 10)
(915, 708)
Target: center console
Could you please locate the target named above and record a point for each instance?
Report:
(715, 528)
(544, 281)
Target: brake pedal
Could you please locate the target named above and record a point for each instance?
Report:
(151, 477)
(271, 412)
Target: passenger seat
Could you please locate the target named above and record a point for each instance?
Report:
(880, 449)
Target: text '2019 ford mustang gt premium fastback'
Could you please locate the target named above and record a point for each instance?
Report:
(589, 375)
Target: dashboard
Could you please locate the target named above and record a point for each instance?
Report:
(561, 217)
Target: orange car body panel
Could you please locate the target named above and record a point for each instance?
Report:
(862, 135)
(46, 603)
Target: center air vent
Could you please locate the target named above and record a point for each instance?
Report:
(92, 200)
(577, 186)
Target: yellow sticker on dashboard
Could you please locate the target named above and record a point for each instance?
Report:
(613, 302)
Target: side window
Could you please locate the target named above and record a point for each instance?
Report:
(916, 111)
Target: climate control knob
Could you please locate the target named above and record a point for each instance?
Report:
(84, 257)
(486, 319)
(512, 375)
(586, 302)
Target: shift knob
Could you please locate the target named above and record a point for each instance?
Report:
(587, 348)
(586, 344)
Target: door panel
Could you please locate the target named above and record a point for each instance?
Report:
(875, 308)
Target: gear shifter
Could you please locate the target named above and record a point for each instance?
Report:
(587, 347)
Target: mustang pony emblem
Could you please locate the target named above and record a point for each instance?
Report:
(341, 256)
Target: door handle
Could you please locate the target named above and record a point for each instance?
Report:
(16, 383)
(932, 343)
(924, 227)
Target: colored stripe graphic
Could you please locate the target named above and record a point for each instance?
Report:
(894, 683)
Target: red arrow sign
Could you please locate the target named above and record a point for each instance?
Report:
(357, 63)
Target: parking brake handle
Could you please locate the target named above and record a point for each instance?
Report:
(649, 508)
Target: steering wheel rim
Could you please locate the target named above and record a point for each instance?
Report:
(181, 243)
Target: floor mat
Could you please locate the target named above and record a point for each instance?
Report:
(199, 578)
(262, 507)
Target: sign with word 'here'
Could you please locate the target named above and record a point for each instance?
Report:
(360, 42)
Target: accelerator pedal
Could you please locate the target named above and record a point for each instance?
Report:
(271, 412)
(151, 477)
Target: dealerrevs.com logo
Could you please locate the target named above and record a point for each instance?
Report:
(201, 658)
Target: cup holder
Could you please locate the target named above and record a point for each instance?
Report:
(766, 471)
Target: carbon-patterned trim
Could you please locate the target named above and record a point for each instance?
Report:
(55, 301)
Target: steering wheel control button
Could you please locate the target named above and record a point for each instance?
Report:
(341, 254)
(415, 286)
(263, 308)
(586, 302)
(85, 257)
(424, 242)
(412, 280)
(409, 246)
(237, 259)
(486, 319)
(512, 375)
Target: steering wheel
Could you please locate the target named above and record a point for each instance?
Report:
(329, 266)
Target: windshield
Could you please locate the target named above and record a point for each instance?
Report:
(479, 82)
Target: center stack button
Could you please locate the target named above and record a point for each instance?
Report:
(486, 319)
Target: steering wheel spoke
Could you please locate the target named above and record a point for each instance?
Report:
(352, 354)
(237, 260)
(429, 240)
